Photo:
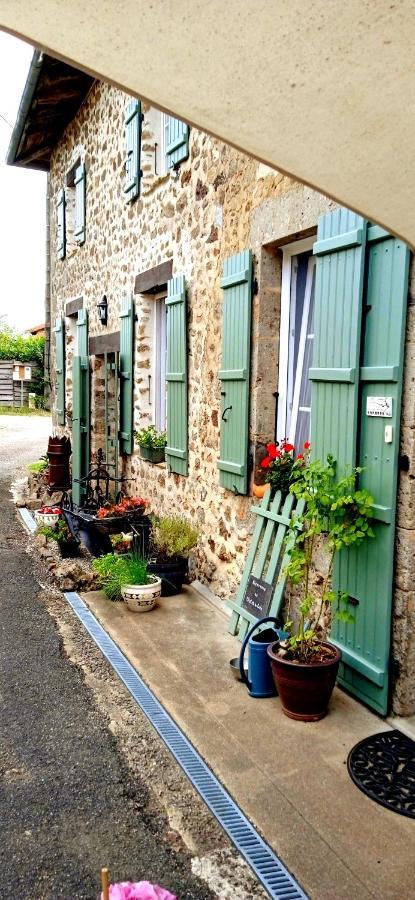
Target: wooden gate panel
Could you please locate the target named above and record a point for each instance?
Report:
(266, 558)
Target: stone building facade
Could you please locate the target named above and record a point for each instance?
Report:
(217, 202)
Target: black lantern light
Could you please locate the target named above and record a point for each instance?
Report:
(102, 308)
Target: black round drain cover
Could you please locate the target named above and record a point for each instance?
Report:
(383, 767)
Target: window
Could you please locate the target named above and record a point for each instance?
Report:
(176, 141)
(159, 362)
(296, 342)
(75, 207)
(133, 173)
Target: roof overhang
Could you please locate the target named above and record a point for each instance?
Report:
(52, 95)
(322, 91)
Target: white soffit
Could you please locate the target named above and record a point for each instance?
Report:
(323, 90)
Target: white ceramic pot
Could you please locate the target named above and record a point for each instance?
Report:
(46, 518)
(142, 597)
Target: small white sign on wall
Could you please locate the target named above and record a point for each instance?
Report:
(27, 373)
(380, 407)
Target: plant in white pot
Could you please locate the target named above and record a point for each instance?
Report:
(127, 578)
(305, 666)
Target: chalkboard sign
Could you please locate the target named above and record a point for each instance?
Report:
(258, 595)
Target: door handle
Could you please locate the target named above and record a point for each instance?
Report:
(224, 411)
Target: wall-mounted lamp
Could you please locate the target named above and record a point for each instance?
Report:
(102, 308)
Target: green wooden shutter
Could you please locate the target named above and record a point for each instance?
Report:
(133, 119)
(176, 376)
(235, 372)
(340, 251)
(60, 369)
(126, 374)
(80, 203)
(82, 332)
(366, 573)
(61, 223)
(81, 424)
(177, 141)
(360, 310)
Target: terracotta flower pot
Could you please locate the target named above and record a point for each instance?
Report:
(304, 689)
(259, 490)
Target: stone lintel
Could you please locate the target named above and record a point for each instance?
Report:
(153, 280)
(104, 343)
(72, 306)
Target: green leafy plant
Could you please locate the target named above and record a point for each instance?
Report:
(343, 513)
(24, 349)
(150, 437)
(280, 464)
(59, 532)
(39, 466)
(28, 349)
(116, 571)
(172, 537)
(40, 400)
(22, 411)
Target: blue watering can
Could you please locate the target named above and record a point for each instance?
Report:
(259, 681)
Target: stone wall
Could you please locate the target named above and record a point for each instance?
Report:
(217, 202)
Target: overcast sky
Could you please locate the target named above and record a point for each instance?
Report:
(22, 204)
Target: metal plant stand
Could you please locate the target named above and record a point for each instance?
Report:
(94, 532)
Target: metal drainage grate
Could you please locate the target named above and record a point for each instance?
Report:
(27, 518)
(267, 867)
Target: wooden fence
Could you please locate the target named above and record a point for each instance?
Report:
(14, 393)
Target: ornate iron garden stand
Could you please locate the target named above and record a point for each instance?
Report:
(94, 531)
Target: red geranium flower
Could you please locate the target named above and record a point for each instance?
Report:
(288, 448)
(266, 462)
(300, 456)
(307, 445)
(273, 453)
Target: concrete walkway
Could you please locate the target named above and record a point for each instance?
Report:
(290, 778)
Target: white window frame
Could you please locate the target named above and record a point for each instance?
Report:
(159, 387)
(286, 375)
(162, 167)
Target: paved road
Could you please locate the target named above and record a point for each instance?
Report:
(23, 439)
(68, 801)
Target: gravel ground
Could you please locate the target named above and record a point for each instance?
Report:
(84, 779)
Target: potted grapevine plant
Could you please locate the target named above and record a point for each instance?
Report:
(151, 443)
(305, 666)
(172, 539)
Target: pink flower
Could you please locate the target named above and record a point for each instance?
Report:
(141, 890)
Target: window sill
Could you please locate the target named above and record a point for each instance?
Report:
(161, 465)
